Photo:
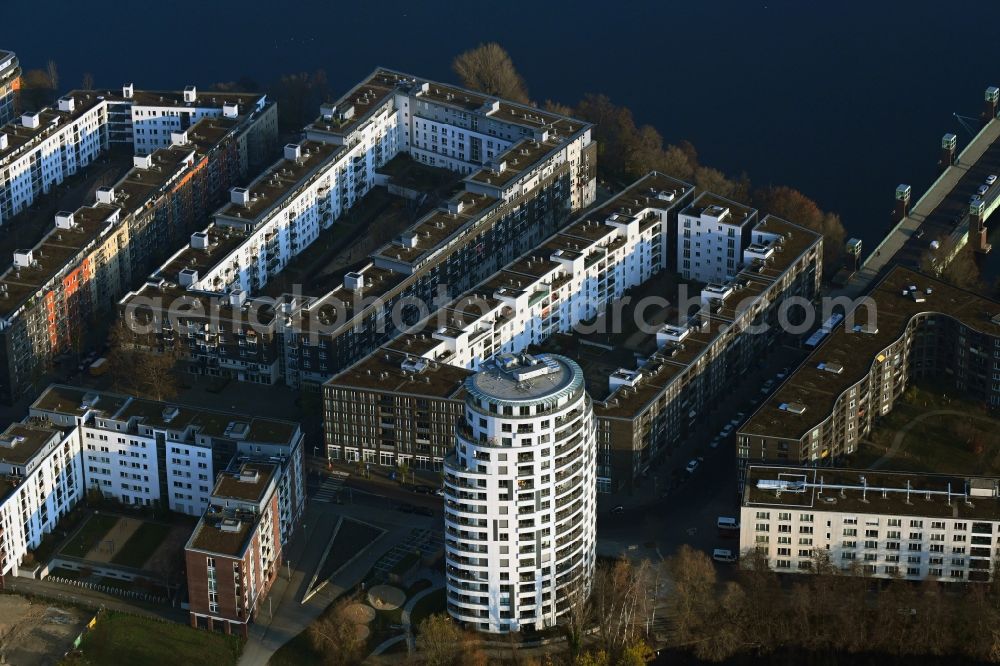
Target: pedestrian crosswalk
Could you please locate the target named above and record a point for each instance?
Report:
(329, 489)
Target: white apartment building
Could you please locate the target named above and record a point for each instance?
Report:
(881, 524)
(10, 83)
(571, 277)
(711, 235)
(47, 146)
(520, 496)
(150, 453)
(41, 479)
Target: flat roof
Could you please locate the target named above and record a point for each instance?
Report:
(738, 213)
(164, 415)
(248, 482)
(520, 378)
(224, 533)
(383, 371)
(432, 231)
(51, 121)
(856, 352)
(21, 442)
(280, 179)
(930, 495)
(516, 160)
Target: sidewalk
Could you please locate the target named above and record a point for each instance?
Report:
(288, 616)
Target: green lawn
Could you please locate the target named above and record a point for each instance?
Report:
(126, 640)
(89, 535)
(141, 545)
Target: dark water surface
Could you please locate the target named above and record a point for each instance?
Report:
(842, 100)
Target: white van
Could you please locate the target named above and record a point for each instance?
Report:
(727, 526)
(723, 555)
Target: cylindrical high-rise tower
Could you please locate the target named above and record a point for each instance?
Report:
(520, 494)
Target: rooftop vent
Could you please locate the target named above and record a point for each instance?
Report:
(199, 240)
(170, 413)
(190, 94)
(237, 430)
(105, 195)
(179, 138)
(835, 368)
(4, 142)
(64, 220)
(415, 365)
(31, 120)
(230, 525)
(142, 161)
(187, 277)
(67, 104)
(128, 91)
(293, 152)
(793, 407)
(239, 196)
(354, 281)
(230, 110)
(23, 258)
(249, 475)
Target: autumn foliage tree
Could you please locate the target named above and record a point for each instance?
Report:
(792, 205)
(489, 69)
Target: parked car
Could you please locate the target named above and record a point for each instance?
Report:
(723, 555)
(991, 179)
(714, 444)
(618, 509)
(982, 189)
(767, 386)
(693, 464)
(439, 492)
(725, 431)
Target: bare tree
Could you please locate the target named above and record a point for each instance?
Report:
(53, 73)
(335, 637)
(489, 69)
(440, 642)
(621, 605)
(88, 81)
(138, 368)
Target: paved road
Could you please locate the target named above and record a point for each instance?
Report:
(653, 525)
(939, 212)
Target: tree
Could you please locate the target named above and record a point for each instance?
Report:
(138, 368)
(53, 73)
(488, 68)
(334, 636)
(576, 622)
(404, 469)
(792, 205)
(88, 81)
(439, 640)
(621, 604)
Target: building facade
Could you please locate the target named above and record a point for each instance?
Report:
(41, 479)
(235, 553)
(55, 294)
(912, 327)
(643, 407)
(712, 234)
(872, 523)
(522, 184)
(156, 454)
(520, 498)
(10, 84)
